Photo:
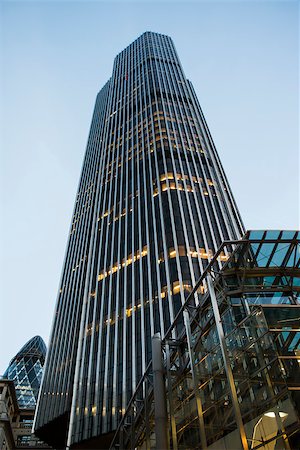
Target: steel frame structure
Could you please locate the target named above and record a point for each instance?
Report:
(232, 376)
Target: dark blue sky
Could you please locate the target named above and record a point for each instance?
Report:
(242, 57)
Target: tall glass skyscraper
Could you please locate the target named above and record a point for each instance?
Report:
(26, 369)
(153, 206)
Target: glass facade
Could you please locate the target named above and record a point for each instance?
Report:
(153, 206)
(26, 370)
(233, 376)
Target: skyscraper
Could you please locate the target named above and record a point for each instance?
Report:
(19, 388)
(25, 369)
(153, 205)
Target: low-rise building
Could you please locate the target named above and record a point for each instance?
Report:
(15, 422)
(9, 410)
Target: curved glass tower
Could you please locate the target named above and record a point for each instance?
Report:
(153, 205)
(26, 369)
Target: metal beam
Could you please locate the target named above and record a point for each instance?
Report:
(160, 403)
(227, 365)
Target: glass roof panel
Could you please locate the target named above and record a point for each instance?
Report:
(257, 234)
(264, 254)
(292, 261)
(279, 255)
(272, 234)
(288, 234)
(296, 281)
(253, 249)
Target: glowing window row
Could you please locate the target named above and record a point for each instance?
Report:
(78, 265)
(172, 253)
(164, 114)
(81, 192)
(123, 213)
(93, 410)
(125, 262)
(164, 188)
(55, 393)
(185, 286)
(78, 215)
(147, 132)
(180, 176)
(193, 252)
(77, 220)
(142, 152)
(172, 186)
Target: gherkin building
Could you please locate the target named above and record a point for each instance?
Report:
(26, 369)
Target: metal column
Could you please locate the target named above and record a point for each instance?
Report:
(195, 380)
(160, 404)
(226, 360)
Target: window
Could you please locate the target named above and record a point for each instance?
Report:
(24, 440)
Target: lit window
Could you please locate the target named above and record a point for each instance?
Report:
(201, 289)
(187, 287)
(172, 252)
(193, 252)
(125, 262)
(176, 287)
(168, 176)
(223, 257)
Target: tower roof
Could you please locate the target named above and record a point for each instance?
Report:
(35, 347)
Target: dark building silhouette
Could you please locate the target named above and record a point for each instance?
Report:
(153, 206)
